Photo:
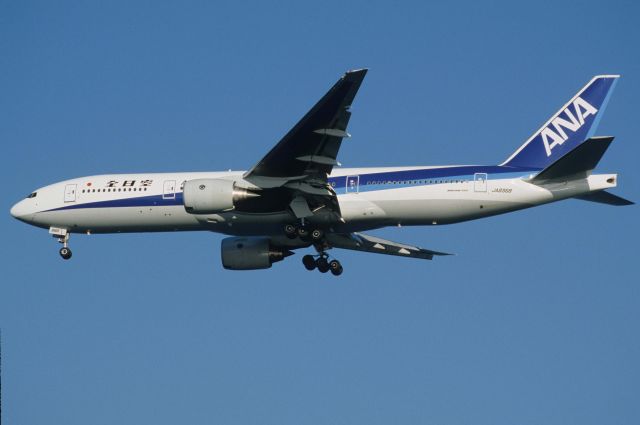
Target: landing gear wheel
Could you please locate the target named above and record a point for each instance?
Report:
(322, 264)
(65, 253)
(303, 233)
(335, 267)
(62, 235)
(309, 262)
(290, 231)
(317, 234)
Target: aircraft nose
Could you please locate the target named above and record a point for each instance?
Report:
(20, 210)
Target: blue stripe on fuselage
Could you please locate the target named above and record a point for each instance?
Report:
(138, 201)
(421, 177)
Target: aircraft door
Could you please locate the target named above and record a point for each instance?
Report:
(352, 184)
(480, 182)
(169, 189)
(70, 193)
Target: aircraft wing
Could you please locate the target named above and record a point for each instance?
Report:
(366, 243)
(308, 152)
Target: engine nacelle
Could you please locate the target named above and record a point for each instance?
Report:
(250, 253)
(210, 196)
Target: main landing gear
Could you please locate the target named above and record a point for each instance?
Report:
(63, 237)
(322, 263)
(314, 235)
(303, 232)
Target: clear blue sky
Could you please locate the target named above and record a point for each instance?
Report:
(535, 321)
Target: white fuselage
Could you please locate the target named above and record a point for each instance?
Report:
(368, 197)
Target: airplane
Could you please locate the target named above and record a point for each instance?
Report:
(298, 196)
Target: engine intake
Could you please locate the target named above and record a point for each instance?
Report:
(250, 253)
(210, 196)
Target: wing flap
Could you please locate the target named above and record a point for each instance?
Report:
(300, 207)
(367, 243)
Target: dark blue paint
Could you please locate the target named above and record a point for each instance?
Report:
(138, 201)
(534, 153)
(465, 171)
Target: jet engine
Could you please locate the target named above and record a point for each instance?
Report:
(210, 196)
(250, 253)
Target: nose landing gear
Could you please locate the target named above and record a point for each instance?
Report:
(65, 253)
(63, 237)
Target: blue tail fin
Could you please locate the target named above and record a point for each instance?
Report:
(574, 123)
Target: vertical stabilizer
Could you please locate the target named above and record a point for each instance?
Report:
(573, 124)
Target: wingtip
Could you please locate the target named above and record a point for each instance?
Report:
(356, 73)
(441, 254)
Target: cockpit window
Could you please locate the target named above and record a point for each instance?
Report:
(32, 195)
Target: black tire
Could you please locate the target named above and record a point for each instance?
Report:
(317, 234)
(309, 262)
(323, 265)
(290, 231)
(65, 253)
(303, 233)
(335, 267)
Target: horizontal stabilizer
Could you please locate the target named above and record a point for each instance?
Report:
(577, 163)
(366, 243)
(604, 197)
